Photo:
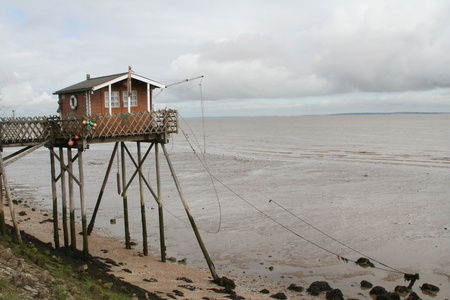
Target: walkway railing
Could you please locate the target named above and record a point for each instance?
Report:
(34, 130)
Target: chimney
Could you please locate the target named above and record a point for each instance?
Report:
(88, 76)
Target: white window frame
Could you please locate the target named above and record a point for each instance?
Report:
(133, 100)
(115, 100)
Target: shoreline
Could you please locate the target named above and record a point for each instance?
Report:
(148, 272)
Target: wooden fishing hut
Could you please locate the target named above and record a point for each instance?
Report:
(114, 109)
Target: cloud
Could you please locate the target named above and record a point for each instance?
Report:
(248, 51)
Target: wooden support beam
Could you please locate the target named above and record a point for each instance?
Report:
(66, 168)
(54, 200)
(83, 202)
(137, 170)
(142, 198)
(162, 241)
(191, 219)
(63, 197)
(125, 199)
(9, 198)
(21, 153)
(102, 190)
(2, 210)
(73, 236)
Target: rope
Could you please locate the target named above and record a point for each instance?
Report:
(205, 166)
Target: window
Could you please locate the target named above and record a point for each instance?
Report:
(115, 102)
(133, 100)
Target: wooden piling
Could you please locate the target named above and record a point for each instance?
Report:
(102, 190)
(142, 198)
(125, 199)
(211, 266)
(2, 211)
(9, 199)
(83, 202)
(54, 200)
(160, 206)
(73, 237)
(63, 197)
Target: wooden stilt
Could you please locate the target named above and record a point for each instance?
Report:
(125, 199)
(160, 206)
(55, 200)
(9, 199)
(83, 202)
(2, 210)
(191, 219)
(64, 197)
(73, 236)
(102, 190)
(141, 192)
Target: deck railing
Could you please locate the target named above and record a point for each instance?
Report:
(40, 129)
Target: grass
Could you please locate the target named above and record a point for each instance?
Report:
(75, 276)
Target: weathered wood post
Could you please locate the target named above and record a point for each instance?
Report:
(9, 198)
(125, 199)
(63, 197)
(83, 201)
(54, 200)
(211, 266)
(162, 241)
(141, 192)
(102, 190)
(2, 211)
(73, 236)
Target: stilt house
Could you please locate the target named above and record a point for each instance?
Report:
(119, 93)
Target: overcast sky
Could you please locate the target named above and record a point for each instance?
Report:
(257, 57)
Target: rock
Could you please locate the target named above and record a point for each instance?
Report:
(6, 254)
(413, 296)
(185, 279)
(22, 213)
(366, 285)
(178, 293)
(429, 287)
(402, 290)
(378, 290)
(227, 283)
(394, 295)
(264, 291)
(383, 297)
(317, 287)
(279, 296)
(108, 285)
(364, 262)
(46, 277)
(296, 288)
(335, 294)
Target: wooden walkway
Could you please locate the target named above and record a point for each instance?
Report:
(54, 131)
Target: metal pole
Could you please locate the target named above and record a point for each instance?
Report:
(102, 190)
(141, 190)
(160, 206)
(83, 202)
(191, 219)
(55, 200)
(125, 199)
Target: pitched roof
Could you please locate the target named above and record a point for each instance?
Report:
(93, 84)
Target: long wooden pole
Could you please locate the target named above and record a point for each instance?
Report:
(211, 266)
(125, 199)
(9, 198)
(73, 236)
(160, 206)
(55, 201)
(141, 191)
(64, 197)
(102, 190)
(2, 211)
(83, 202)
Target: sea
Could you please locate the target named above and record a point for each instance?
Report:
(284, 199)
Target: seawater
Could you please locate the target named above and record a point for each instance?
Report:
(377, 183)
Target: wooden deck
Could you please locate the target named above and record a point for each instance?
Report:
(54, 131)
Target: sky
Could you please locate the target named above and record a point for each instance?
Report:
(258, 58)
